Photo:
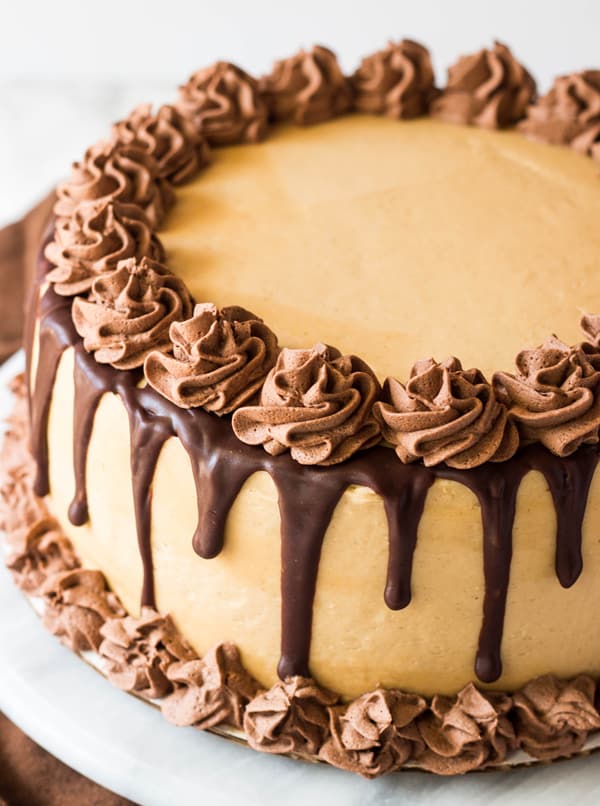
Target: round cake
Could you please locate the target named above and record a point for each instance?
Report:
(313, 408)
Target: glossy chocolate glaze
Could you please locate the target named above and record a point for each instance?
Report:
(308, 496)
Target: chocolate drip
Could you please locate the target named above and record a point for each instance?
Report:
(307, 496)
(306, 510)
(569, 482)
(89, 388)
(404, 511)
(55, 332)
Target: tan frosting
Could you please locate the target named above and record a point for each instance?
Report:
(129, 311)
(446, 414)
(289, 718)
(553, 717)
(466, 732)
(139, 651)
(307, 88)
(375, 734)
(569, 113)
(94, 240)
(356, 244)
(397, 81)
(210, 691)
(224, 104)
(116, 172)
(171, 139)
(489, 88)
(220, 359)
(555, 395)
(316, 404)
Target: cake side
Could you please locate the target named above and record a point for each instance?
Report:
(379, 732)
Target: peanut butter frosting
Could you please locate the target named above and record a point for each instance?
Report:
(116, 172)
(568, 114)
(316, 404)
(446, 414)
(94, 239)
(220, 359)
(224, 104)
(554, 397)
(397, 81)
(307, 88)
(129, 311)
(489, 88)
(374, 734)
(179, 149)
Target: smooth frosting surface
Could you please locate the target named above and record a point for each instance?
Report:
(447, 240)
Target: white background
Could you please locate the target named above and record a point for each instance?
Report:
(69, 67)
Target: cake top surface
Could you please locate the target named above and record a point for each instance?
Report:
(396, 241)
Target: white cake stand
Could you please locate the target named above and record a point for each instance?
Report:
(125, 744)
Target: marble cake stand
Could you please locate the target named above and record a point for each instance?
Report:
(125, 745)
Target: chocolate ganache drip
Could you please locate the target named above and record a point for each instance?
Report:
(307, 496)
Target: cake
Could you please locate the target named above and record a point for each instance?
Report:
(286, 474)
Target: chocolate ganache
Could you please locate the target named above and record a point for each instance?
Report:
(308, 496)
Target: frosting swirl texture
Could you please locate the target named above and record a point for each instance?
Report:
(375, 734)
(489, 88)
(555, 395)
(446, 414)
(139, 651)
(76, 606)
(290, 717)
(220, 359)
(93, 241)
(465, 732)
(210, 691)
(169, 138)
(307, 88)
(569, 113)
(224, 104)
(116, 172)
(129, 311)
(397, 81)
(553, 717)
(316, 404)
